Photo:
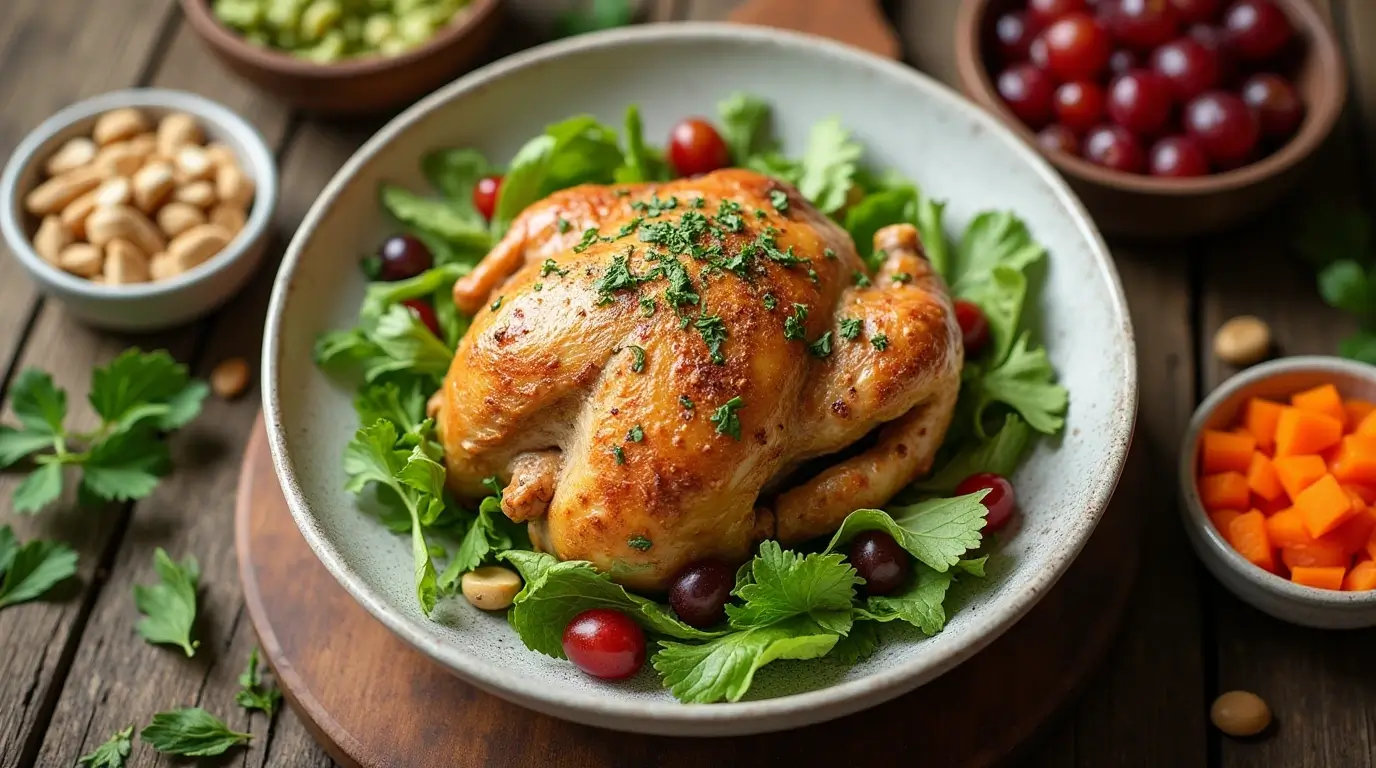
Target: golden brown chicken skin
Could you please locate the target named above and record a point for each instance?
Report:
(649, 366)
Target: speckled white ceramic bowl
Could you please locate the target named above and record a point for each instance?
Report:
(164, 303)
(1282, 598)
(907, 122)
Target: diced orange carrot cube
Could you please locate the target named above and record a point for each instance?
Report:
(1355, 461)
(1222, 519)
(1353, 534)
(1367, 493)
(1371, 546)
(1247, 534)
(1324, 505)
(1286, 529)
(1368, 425)
(1299, 431)
(1318, 553)
(1226, 490)
(1320, 577)
(1361, 578)
(1298, 472)
(1323, 399)
(1225, 451)
(1268, 508)
(1356, 411)
(1260, 417)
(1262, 477)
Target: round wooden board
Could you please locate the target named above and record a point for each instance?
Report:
(370, 700)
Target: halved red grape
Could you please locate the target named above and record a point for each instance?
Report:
(1027, 91)
(422, 311)
(880, 561)
(1223, 126)
(1045, 12)
(1188, 66)
(1277, 106)
(1256, 29)
(1114, 147)
(974, 328)
(1076, 47)
(1014, 33)
(1000, 500)
(1123, 61)
(695, 148)
(1140, 101)
(1079, 105)
(605, 643)
(1058, 138)
(1196, 11)
(1143, 24)
(402, 257)
(485, 194)
(1178, 157)
(700, 591)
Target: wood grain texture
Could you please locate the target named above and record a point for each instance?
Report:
(860, 23)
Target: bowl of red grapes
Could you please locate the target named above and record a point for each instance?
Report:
(1168, 116)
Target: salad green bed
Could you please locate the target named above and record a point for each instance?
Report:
(787, 604)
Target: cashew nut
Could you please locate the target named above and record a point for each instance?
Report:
(192, 164)
(220, 154)
(74, 215)
(51, 238)
(230, 217)
(121, 159)
(116, 191)
(119, 124)
(125, 263)
(53, 195)
(152, 184)
(230, 378)
(198, 193)
(197, 244)
(490, 587)
(163, 267)
(233, 186)
(121, 221)
(175, 218)
(72, 155)
(177, 130)
(81, 259)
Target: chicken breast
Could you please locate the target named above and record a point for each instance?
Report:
(665, 373)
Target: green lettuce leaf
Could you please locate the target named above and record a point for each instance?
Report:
(828, 165)
(723, 669)
(937, 532)
(579, 150)
(999, 454)
(994, 238)
(643, 163)
(919, 604)
(1025, 382)
(876, 211)
(455, 172)
(785, 584)
(438, 218)
(745, 126)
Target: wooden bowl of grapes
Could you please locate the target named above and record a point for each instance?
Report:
(1169, 118)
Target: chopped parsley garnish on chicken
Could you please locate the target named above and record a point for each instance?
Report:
(829, 253)
(862, 280)
(728, 423)
(699, 202)
(713, 332)
(795, 327)
(850, 328)
(538, 287)
(637, 358)
(879, 341)
(686, 402)
(760, 214)
(647, 305)
(589, 237)
(496, 305)
(551, 267)
(729, 216)
(655, 207)
(680, 290)
(902, 277)
(822, 346)
(779, 199)
(639, 542)
(619, 454)
(562, 225)
(629, 227)
(636, 434)
(618, 277)
(770, 302)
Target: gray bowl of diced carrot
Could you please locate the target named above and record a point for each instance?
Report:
(1278, 479)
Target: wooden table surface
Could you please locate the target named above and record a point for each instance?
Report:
(72, 669)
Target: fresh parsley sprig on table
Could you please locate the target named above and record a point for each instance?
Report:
(253, 692)
(191, 732)
(29, 570)
(169, 607)
(138, 397)
(113, 753)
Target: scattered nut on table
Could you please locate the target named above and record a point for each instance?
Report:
(229, 379)
(1243, 340)
(1240, 713)
(490, 587)
(141, 199)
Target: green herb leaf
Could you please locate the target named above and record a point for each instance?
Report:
(933, 233)
(438, 218)
(389, 401)
(745, 126)
(1346, 285)
(636, 434)
(253, 694)
(795, 325)
(1359, 346)
(169, 607)
(919, 604)
(191, 732)
(714, 334)
(40, 406)
(723, 669)
(455, 172)
(637, 358)
(880, 341)
(828, 166)
(994, 238)
(1000, 298)
(137, 386)
(16, 444)
(876, 211)
(857, 646)
(786, 584)
(639, 542)
(576, 151)
(112, 753)
(937, 532)
(822, 346)
(604, 14)
(850, 328)
(642, 162)
(1000, 454)
(32, 569)
(125, 466)
(1024, 382)
(42, 487)
(728, 423)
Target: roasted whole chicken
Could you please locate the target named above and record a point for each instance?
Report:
(664, 373)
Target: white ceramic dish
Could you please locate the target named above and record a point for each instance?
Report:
(907, 122)
(142, 306)
(1282, 598)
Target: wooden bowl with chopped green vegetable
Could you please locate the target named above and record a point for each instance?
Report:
(343, 57)
(666, 223)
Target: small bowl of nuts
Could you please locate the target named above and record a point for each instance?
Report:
(140, 209)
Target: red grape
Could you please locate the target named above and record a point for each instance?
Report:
(1079, 106)
(695, 148)
(422, 311)
(974, 328)
(1188, 66)
(1114, 147)
(1178, 157)
(1256, 29)
(1045, 12)
(1058, 138)
(1276, 104)
(1123, 61)
(1076, 47)
(1223, 126)
(1214, 40)
(485, 194)
(879, 560)
(1037, 53)
(1143, 24)
(1014, 33)
(1000, 500)
(700, 591)
(402, 257)
(1027, 91)
(1140, 101)
(605, 643)
(1196, 11)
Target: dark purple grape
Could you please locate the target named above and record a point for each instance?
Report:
(700, 592)
(403, 256)
(880, 562)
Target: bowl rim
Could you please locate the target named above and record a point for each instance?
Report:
(1192, 510)
(1319, 119)
(202, 20)
(721, 718)
(256, 154)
